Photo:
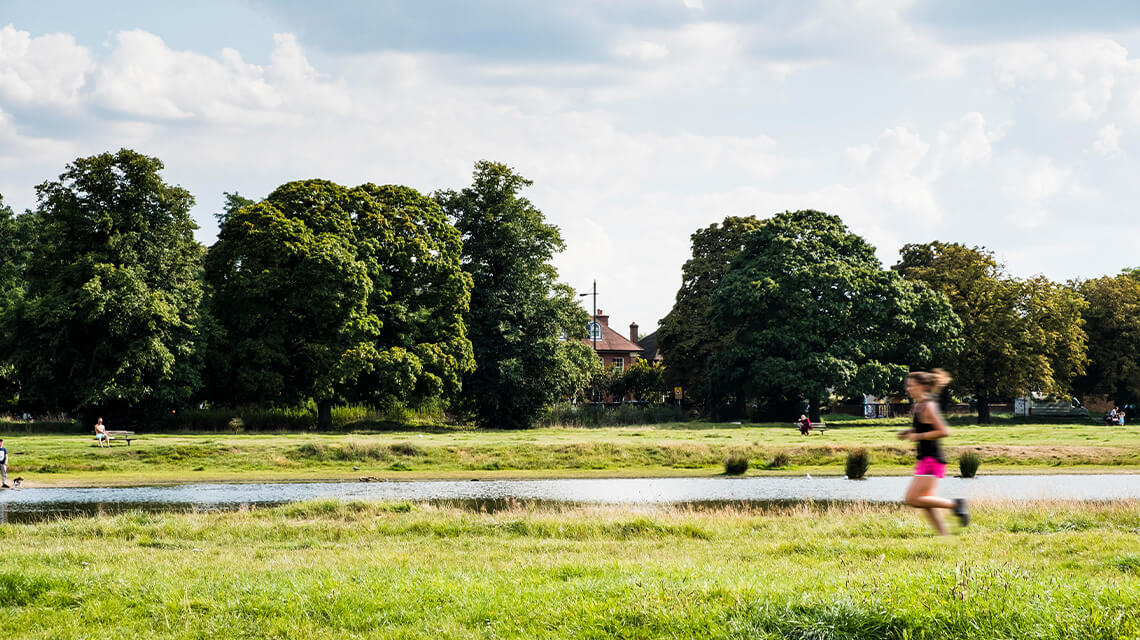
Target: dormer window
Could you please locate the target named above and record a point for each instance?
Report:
(595, 330)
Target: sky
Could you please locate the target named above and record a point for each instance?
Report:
(1010, 125)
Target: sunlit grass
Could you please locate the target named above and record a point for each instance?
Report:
(331, 569)
(651, 450)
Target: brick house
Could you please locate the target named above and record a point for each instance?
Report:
(614, 349)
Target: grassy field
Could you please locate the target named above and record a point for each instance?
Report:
(678, 449)
(366, 570)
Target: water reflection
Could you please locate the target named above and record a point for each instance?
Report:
(37, 503)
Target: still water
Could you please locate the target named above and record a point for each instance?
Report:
(32, 504)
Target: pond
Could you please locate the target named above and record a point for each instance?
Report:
(33, 504)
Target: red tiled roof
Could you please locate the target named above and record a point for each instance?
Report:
(611, 340)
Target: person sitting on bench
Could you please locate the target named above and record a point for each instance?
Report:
(804, 424)
(101, 433)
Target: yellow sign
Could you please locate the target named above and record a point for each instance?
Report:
(677, 393)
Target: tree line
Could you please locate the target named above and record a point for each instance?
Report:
(774, 312)
(318, 292)
(382, 295)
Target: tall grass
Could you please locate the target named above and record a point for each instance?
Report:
(303, 418)
(597, 415)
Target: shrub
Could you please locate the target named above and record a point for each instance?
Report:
(735, 464)
(858, 460)
(968, 464)
(779, 461)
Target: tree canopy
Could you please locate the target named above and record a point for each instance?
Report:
(685, 337)
(108, 319)
(525, 327)
(812, 311)
(1112, 322)
(331, 293)
(15, 242)
(1018, 335)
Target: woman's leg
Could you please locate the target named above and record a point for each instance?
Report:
(920, 496)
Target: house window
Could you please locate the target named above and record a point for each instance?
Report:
(619, 364)
(595, 331)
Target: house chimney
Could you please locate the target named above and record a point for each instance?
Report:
(633, 332)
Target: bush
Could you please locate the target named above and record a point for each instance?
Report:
(858, 460)
(968, 464)
(779, 461)
(735, 464)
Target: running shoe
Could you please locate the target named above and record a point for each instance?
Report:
(961, 511)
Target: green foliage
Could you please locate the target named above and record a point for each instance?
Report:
(968, 464)
(1018, 335)
(735, 464)
(811, 311)
(338, 294)
(685, 337)
(109, 319)
(645, 380)
(858, 461)
(1112, 321)
(525, 328)
(15, 242)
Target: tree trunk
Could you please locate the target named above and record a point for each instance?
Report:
(324, 415)
(813, 409)
(983, 409)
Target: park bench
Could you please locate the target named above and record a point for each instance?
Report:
(819, 427)
(120, 435)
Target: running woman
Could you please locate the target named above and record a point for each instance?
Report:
(929, 427)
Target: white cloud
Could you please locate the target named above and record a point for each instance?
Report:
(46, 71)
(1108, 141)
(1076, 77)
(644, 51)
(965, 143)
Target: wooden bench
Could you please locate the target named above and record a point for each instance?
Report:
(119, 435)
(815, 426)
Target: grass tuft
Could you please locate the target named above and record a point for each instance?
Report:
(858, 461)
(968, 464)
(735, 464)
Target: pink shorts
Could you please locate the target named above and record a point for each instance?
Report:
(930, 467)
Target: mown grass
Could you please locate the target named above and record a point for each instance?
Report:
(688, 449)
(331, 569)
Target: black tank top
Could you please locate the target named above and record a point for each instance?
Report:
(927, 448)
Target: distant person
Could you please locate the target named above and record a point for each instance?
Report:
(1112, 416)
(1120, 418)
(928, 428)
(3, 466)
(804, 424)
(101, 433)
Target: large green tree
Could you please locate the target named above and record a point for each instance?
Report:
(15, 241)
(329, 293)
(1112, 321)
(525, 328)
(1018, 335)
(109, 317)
(685, 337)
(813, 312)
